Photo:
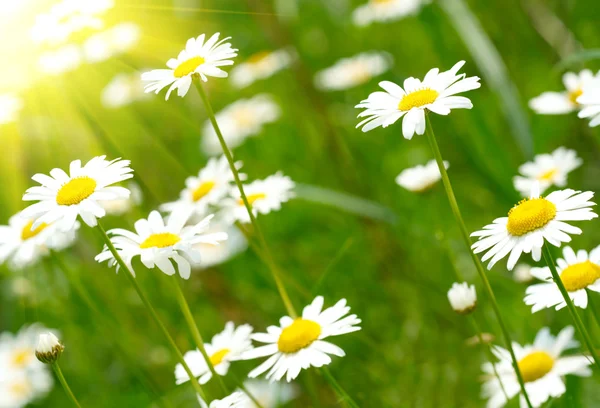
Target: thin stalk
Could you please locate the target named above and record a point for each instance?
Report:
(189, 318)
(576, 318)
(270, 262)
(65, 385)
(338, 388)
(465, 235)
(309, 381)
(490, 355)
(153, 313)
(592, 303)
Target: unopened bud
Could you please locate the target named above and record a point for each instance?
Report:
(49, 348)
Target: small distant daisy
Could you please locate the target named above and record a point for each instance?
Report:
(350, 72)
(62, 197)
(213, 183)
(270, 394)
(238, 121)
(64, 59)
(158, 243)
(558, 103)
(298, 343)
(202, 58)
(10, 106)
(386, 10)
(547, 170)
(123, 90)
(261, 65)
(420, 178)
(218, 254)
(462, 297)
(263, 196)
(20, 388)
(522, 273)
(590, 103)
(436, 93)
(225, 347)
(578, 272)
(533, 221)
(541, 365)
(110, 42)
(17, 352)
(236, 400)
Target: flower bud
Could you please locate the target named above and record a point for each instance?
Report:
(49, 348)
(462, 297)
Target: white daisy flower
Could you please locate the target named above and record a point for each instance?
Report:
(158, 243)
(123, 90)
(238, 121)
(263, 196)
(547, 170)
(436, 93)
(236, 400)
(350, 72)
(203, 58)
(386, 10)
(10, 106)
(218, 254)
(17, 352)
(111, 42)
(578, 273)
(64, 59)
(261, 65)
(298, 344)
(541, 366)
(420, 178)
(558, 103)
(211, 185)
(20, 245)
(590, 103)
(522, 273)
(121, 206)
(62, 197)
(270, 394)
(225, 347)
(533, 221)
(20, 388)
(462, 297)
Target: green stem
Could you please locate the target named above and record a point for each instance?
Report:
(592, 307)
(490, 355)
(64, 384)
(465, 235)
(153, 313)
(576, 318)
(338, 388)
(268, 256)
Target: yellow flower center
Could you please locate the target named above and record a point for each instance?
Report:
(22, 357)
(20, 388)
(160, 240)
(75, 191)
(580, 275)
(217, 357)
(298, 335)
(27, 233)
(258, 57)
(188, 66)
(535, 365)
(548, 176)
(252, 198)
(416, 99)
(573, 95)
(202, 190)
(529, 215)
(381, 1)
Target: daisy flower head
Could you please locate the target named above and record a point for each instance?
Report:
(385, 10)
(547, 170)
(578, 272)
(263, 196)
(350, 72)
(225, 347)
(462, 297)
(62, 197)
(533, 221)
(590, 103)
(123, 90)
(541, 366)
(20, 388)
(10, 106)
(420, 178)
(558, 103)
(242, 119)
(199, 58)
(157, 242)
(211, 185)
(236, 400)
(261, 65)
(17, 352)
(436, 93)
(298, 344)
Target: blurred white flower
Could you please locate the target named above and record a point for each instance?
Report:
(202, 58)
(225, 347)
(111, 42)
(120, 206)
(236, 400)
(558, 103)
(522, 273)
(238, 121)
(386, 10)
(436, 93)
(589, 102)
(123, 90)
(547, 170)
(263, 196)
(420, 178)
(10, 106)
(462, 297)
(350, 72)
(217, 254)
(270, 394)
(261, 65)
(17, 352)
(19, 388)
(64, 59)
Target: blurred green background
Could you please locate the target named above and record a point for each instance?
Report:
(394, 272)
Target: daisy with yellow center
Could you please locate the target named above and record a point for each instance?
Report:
(547, 170)
(63, 197)
(436, 93)
(420, 178)
(157, 242)
(386, 10)
(261, 65)
(559, 103)
(201, 57)
(299, 343)
(532, 222)
(589, 101)
(264, 196)
(541, 365)
(225, 347)
(19, 388)
(578, 272)
(350, 72)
